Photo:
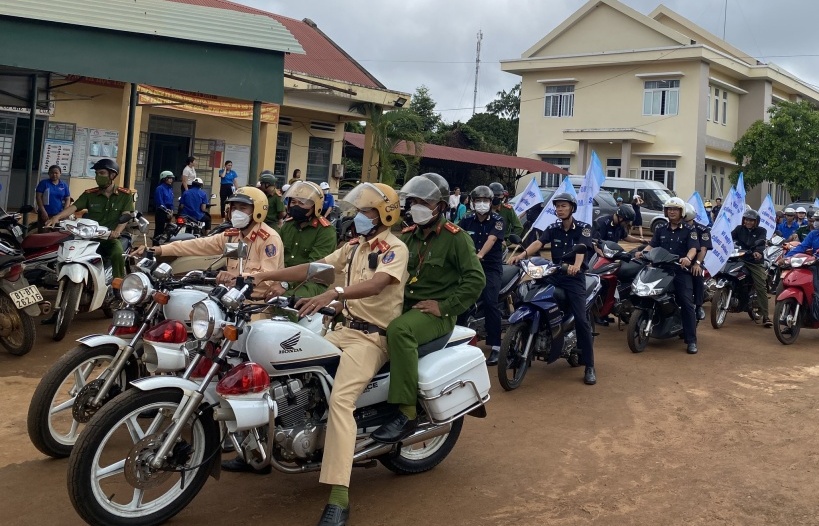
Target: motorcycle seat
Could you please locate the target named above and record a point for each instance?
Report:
(509, 274)
(39, 241)
(435, 345)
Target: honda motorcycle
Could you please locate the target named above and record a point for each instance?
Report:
(543, 327)
(147, 454)
(774, 251)
(794, 308)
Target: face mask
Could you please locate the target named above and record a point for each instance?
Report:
(482, 207)
(298, 213)
(239, 219)
(363, 224)
(496, 201)
(421, 215)
(103, 181)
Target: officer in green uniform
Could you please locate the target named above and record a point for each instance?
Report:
(306, 236)
(105, 204)
(275, 205)
(445, 278)
(506, 211)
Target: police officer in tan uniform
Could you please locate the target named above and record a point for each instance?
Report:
(375, 268)
(248, 210)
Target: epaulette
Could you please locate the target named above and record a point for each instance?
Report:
(263, 233)
(123, 190)
(354, 241)
(410, 228)
(93, 191)
(452, 227)
(507, 205)
(323, 221)
(232, 232)
(382, 246)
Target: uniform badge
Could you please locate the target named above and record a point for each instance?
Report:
(270, 250)
(586, 232)
(693, 235)
(499, 225)
(388, 257)
(705, 236)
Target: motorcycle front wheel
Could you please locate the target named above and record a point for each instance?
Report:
(719, 308)
(784, 311)
(635, 333)
(512, 366)
(110, 480)
(423, 456)
(69, 305)
(16, 326)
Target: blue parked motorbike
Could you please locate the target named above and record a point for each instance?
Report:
(543, 327)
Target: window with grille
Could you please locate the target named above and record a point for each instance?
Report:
(282, 153)
(661, 97)
(60, 131)
(724, 107)
(559, 101)
(7, 125)
(660, 170)
(318, 159)
(203, 151)
(553, 180)
(613, 167)
(142, 156)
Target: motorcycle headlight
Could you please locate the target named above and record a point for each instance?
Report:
(163, 271)
(540, 271)
(646, 289)
(797, 262)
(135, 288)
(206, 320)
(82, 230)
(608, 253)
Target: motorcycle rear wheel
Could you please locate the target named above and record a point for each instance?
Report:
(424, 456)
(719, 309)
(786, 335)
(69, 305)
(20, 339)
(511, 356)
(637, 342)
(102, 483)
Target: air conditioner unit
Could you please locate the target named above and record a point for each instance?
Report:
(338, 171)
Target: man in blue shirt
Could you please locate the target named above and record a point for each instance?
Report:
(163, 201)
(329, 202)
(787, 228)
(194, 203)
(52, 195)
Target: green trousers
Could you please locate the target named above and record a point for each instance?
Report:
(404, 334)
(760, 277)
(111, 249)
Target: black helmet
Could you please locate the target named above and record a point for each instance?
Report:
(625, 212)
(267, 177)
(751, 214)
(482, 192)
(569, 198)
(497, 189)
(106, 164)
(429, 187)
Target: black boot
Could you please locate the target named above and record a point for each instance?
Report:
(334, 515)
(589, 378)
(494, 354)
(238, 465)
(395, 430)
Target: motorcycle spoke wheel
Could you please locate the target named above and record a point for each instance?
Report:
(635, 332)
(17, 328)
(110, 480)
(786, 326)
(719, 308)
(69, 305)
(512, 366)
(423, 456)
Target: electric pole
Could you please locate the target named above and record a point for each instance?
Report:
(477, 68)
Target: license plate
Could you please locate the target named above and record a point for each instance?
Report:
(28, 296)
(124, 318)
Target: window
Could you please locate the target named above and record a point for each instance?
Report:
(142, 156)
(660, 170)
(724, 106)
(61, 131)
(282, 153)
(708, 105)
(203, 150)
(318, 159)
(553, 180)
(613, 167)
(7, 125)
(661, 97)
(559, 101)
(716, 104)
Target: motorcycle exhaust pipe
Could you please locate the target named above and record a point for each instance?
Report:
(421, 434)
(45, 308)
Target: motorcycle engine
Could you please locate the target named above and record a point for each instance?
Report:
(570, 341)
(298, 431)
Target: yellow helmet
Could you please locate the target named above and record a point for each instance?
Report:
(308, 191)
(379, 196)
(251, 195)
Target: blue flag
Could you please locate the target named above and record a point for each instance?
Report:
(699, 207)
(530, 197)
(589, 189)
(548, 216)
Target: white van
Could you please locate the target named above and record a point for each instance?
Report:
(654, 196)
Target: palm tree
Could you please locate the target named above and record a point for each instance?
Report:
(388, 130)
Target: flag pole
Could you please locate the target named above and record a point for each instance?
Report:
(522, 239)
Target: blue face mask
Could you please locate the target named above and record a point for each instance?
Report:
(363, 224)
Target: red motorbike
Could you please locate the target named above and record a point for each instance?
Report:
(794, 305)
(616, 269)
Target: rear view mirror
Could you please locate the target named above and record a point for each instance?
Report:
(237, 250)
(513, 238)
(321, 273)
(25, 209)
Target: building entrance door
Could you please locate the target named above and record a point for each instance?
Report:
(165, 152)
(18, 162)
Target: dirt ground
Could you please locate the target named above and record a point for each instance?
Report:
(724, 437)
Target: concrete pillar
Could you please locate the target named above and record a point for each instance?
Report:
(268, 136)
(582, 155)
(625, 158)
(124, 129)
(369, 163)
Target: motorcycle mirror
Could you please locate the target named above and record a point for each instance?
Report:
(321, 273)
(515, 239)
(25, 209)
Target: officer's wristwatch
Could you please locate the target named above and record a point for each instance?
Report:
(340, 292)
(285, 285)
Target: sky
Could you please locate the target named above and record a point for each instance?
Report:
(433, 42)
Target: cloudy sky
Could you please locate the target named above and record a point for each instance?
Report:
(432, 42)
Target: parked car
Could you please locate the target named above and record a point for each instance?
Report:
(807, 204)
(604, 202)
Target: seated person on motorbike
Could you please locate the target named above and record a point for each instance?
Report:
(163, 201)
(485, 227)
(445, 279)
(248, 208)
(680, 240)
(104, 204)
(616, 227)
(750, 236)
(306, 235)
(375, 268)
(194, 204)
(697, 273)
(803, 231)
(275, 205)
(787, 228)
(563, 235)
(802, 216)
(810, 244)
(505, 210)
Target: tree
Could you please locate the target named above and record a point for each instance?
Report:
(501, 135)
(507, 105)
(784, 150)
(423, 106)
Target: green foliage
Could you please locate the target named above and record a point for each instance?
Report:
(501, 134)
(423, 106)
(507, 105)
(784, 150)
(354, 127)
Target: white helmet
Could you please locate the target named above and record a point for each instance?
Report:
(790, 211)
(675, 202)
(690, 212)
(801, 210)
(198, 181)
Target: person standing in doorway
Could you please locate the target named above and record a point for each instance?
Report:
(52, 195)
(188, 173)
(636, 203)
(228, 186)
(296, 176)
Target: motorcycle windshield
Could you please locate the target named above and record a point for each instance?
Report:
(660, 256)
(663, 278)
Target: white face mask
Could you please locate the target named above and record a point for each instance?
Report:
(421, 215)
(239, 219)
(482, 207)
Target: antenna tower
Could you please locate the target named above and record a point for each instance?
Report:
(477, 68)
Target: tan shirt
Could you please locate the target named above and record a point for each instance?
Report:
(266, 252)
(387, 305)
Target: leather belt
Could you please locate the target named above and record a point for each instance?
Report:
(365, 327)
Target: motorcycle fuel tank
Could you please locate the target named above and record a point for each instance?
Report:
(180, 304)
(283, 345)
